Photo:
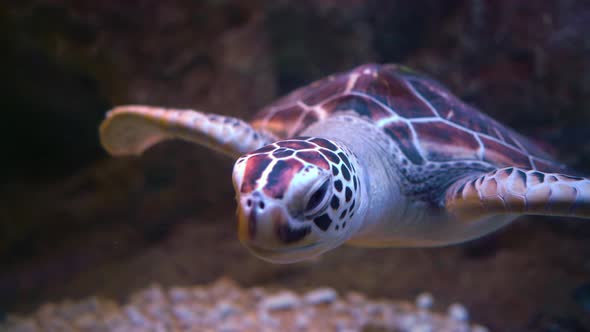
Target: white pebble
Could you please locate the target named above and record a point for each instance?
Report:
(281, 301)
(267, 319)
(339, 306)
(301, 322)
(228, 327)
(158, 327)
(422, 327)
(320, 296)
(257, 292)
(342, 325)
(136, 317)
(178, 294)
(458, 312)
(347, 329)
(406, 322)
(424, 301)
(184, 314)
(225, 309)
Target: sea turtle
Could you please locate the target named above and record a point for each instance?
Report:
(378, 156)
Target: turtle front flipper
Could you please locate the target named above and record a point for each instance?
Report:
(130, 130)
(517, 191)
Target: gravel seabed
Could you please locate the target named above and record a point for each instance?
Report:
(225, 307)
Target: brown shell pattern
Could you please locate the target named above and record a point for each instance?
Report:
(427, 121)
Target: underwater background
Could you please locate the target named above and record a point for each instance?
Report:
(75, 222)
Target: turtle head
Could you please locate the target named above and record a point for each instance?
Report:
(296, 198)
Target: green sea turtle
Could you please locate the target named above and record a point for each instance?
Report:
(378, 156)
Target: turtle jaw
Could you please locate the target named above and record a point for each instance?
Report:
(270, 233)
(287, 255)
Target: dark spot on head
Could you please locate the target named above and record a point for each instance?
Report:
(352, 205)
(261, 205)
(355, 180)
(337, 227)
(338, 185)
(520, 173)
(290, 235)
(249, 202)
(481, 180)
(265, 149)
(331, 156)
(540, 176)
(324, 143)
(335, 170)
(255, 135)
(573, 178)
(323, 221)
(313, 157)
(280, 177)
(345, 172)
(508, 171)
(348, 194)
(253, 170)
(295, 144)
(344, 159)
(335, 202)
(282, 153)
(317, 196)
(343, 214)
(344, 224)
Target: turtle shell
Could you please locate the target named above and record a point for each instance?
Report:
(428, 122)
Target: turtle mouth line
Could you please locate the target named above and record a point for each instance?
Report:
(278, 254)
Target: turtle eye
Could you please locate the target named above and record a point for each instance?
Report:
(314, 203)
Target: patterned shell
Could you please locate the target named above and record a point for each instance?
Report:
(427, 121)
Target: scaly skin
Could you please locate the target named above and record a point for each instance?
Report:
(132, 129)
(389, 157)
(296, 198)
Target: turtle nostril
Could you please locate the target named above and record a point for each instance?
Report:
(261, 205)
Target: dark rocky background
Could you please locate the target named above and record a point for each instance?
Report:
(74, 222)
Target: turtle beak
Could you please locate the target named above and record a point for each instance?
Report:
(264, 224)
(254, 218)
(246, 225)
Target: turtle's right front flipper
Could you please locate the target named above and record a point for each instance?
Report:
(130, 130)
(517, 191)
